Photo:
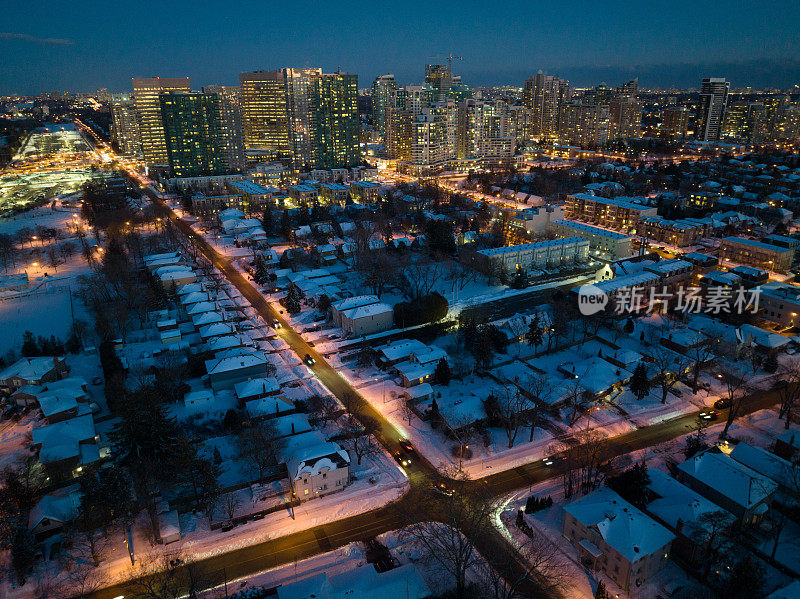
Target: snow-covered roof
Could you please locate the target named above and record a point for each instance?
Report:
(234, 363)
(61, 440)
(355, 302)
(368, 311)
(30, 369)
(254, 387)
(309, 452)
(621, 525)
(770, 465)
(762, 337)
(402, 349)
(291, 424)
(675, 502)
(268, 406)
(732, 479)
(62, 505)
(403, 582)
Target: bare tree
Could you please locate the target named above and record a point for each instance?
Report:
(165, 575)
(582, 464)
(357, 436)
(700, 354)
(539, 387)
(419, 279)
(736, 389)
(787, 382)
(446, 528)
(508, 403)
(258, 444)
(668, 365)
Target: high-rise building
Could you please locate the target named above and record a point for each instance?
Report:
(674, 122)
(711, 110)
(626, 111)
(585, 125)
(381, 89)
(431, 134)
(230, 110)
(483, 130)
(125, 125)
(519, 121)
(146, 97)
(266, 122)
(545, 96)
(193, 134)
(400, 110)
(335, 104)
(300, 104)
(440, 80)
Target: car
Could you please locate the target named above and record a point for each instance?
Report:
(309, 360)
(442, 489)
(709, 415)
(276, 324)
(98, 380)
(406, 444)
(402, 458)
(722, 404)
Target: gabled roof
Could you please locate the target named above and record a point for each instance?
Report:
(734, 480)
(676, 503)
(31, 369)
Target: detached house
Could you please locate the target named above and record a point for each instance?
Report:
(614, 536)
(316, 467)
(741, 490)
(32, 371)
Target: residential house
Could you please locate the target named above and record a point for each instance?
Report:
(741, 490)
(612, 535)
(684, 511)
(224, 373)
(32, 371)
(316, 467)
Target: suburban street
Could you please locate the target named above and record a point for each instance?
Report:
(246, 561)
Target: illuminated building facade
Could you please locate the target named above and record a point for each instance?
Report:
(125, 125)
(193, 134)
(230, 111)
(335, 98)
(146, 97)
(265, 116)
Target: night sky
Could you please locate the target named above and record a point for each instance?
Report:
(83, 46)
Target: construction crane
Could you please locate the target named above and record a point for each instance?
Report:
(450, 58)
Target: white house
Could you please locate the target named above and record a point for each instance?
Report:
(316, 467)
(367, 320)
(732, 485)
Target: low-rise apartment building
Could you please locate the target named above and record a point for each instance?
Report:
(756, 253)
(617, 213)
(532, 256)
(611, 244)
(673, 232)
(365, 192)
(533, 221)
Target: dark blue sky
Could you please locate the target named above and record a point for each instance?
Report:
(84, 45)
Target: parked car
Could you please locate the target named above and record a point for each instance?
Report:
(309, 360)
(722, 404)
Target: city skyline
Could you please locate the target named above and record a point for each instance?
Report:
(670, 46)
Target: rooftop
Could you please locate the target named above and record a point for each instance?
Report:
(624, 527)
